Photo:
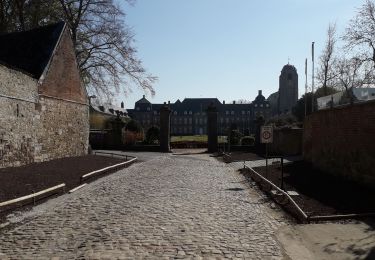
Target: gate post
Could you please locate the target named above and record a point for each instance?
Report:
(165, 128)
(259, 147)
(212, 128)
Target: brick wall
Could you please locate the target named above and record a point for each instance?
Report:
(62, 78)
(341, 141)
(286, 142)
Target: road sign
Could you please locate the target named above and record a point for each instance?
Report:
(266, 134)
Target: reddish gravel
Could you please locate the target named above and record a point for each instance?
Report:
(320, 193)
(24, 180)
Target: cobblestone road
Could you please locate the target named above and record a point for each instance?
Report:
(189, 206)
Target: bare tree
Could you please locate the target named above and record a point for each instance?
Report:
(326, 74)
(360, 34)
(20, 15)
(104, 47)
(103, 42)
(353, 73)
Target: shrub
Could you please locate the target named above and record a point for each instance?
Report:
(152, 135)
(235, 137)
(248, 140)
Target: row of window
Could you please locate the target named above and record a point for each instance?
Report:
(261, 105)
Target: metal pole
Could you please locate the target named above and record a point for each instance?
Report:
(312, 80)
(267, 160)
(305, 87)
(282, 173)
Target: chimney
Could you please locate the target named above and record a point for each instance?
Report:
(259, 92)
(122, 104)
(223, 102)
(169, 102)
(144, 96)
(234, 102)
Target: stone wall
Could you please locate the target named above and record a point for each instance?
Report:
(341, 141)
(64, 129)
(35, 128)
(18, 118)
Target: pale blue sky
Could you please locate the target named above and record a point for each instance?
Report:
(228, 49)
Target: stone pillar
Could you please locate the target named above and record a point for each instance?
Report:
(212, 128)
(259, 122)
(165, 129)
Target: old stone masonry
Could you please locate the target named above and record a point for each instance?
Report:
(168, 207)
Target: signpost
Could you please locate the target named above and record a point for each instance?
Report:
(266, 137)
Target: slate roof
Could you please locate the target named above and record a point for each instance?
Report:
(195, 104)
(143, 100)
(30, 51)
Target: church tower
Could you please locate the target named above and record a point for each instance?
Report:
(288, 89)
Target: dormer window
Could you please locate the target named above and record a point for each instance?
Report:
(256, 105)
(137, 108)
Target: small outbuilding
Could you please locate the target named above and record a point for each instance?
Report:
(44, 111)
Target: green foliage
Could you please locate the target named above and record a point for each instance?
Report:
(248, 140)
(133, 126)
(152, 135)
(282, 121)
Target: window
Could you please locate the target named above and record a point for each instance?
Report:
(175, 112)
(155, 112)
(190, 120)
(148, 109)
(185, 113)
(243, 112)
(185, 121)
(190, 112)
(267, 105)
(227, 112)
(232, 113)
(256, 105)
(137, 108)
(261, 105)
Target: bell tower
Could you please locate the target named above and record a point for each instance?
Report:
(288, 89)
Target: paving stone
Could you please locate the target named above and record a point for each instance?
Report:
(168, 207)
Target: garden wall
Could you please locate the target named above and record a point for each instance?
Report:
(286, 142)
(341, 141)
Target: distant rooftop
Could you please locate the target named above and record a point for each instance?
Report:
(30, 51)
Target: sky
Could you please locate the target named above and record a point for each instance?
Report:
(228, 49)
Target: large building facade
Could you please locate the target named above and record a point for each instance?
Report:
(189, 117)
